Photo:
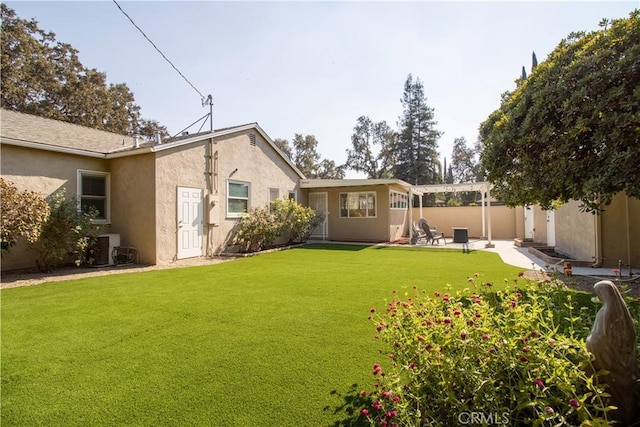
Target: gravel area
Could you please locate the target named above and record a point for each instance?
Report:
(30, 277)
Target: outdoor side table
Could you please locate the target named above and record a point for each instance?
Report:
(460, 234)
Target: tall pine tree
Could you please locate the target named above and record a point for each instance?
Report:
(417, 142)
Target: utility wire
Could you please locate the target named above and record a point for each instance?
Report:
(159, 51)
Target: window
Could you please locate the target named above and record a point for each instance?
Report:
(358, 205)
(398, 200)
(293, 195)
(237, 198)
(274, 193)
(93, 193)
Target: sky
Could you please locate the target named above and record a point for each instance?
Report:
(314, 67)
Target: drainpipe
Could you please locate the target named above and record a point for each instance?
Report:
(597, 224)
(628, 236)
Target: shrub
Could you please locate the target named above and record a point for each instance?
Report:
(256, 230)
(66, 233)
(261, 228)
(296, 220)
(23, 214)
(512, 357)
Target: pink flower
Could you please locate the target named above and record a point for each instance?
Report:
(363, 393)
(386, 394)
(485, 336)
(574, 403)
(377, 406)
(396, 399)
(457, 313)
(513, 304)
(518, 295)
(420, 338)
(436, 293)
(463, 335)
(447, 320)
(392, 414)
(365, 412)
(539, 382)
(549, 410)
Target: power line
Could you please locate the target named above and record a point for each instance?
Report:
(159, 51)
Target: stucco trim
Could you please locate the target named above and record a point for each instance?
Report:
(55, 148)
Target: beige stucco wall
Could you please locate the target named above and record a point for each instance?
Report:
(539, 225)
(504, 224)
(621, 232)
(44, 172)
(133, 213)
(575, 232)
(387, 225)
(260, 165)
(181, 166)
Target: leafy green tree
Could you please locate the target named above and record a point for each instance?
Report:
(463, 162)
(571, 130)
(372, 149)
(328, 170)
(417, 144)
(305, 154)
(284, 146)
(23, 213)
(44, 77)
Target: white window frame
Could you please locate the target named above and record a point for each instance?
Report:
(273, 192)
(398, 200)
(248, 199)
(357, 195)
(107, 189)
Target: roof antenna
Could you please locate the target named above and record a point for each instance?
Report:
(209, 101)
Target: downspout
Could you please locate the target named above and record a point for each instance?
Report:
(597, 225)
(628, 236)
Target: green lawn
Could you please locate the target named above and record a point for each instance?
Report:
(280, 339)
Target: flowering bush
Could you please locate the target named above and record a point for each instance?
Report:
(257, 230)
(67, 232)
(23, 213)
(512, 357)
(285, 218)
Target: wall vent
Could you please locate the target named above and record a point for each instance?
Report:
(252, 139)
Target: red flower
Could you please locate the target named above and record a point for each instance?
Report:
(538, 382)
(463, 335)
(485, 336)
(574, 403)
(523, 359)
(377, 406)
(386, 394)
(365, 412)
(420, 338)
(373, 310)
(457, 313)
(513, 304)
(363, 393)
(436, 293)
(447, 320)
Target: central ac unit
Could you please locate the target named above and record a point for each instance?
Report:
(103, 249)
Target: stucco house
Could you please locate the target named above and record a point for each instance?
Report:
(360, 210)
(170, 199)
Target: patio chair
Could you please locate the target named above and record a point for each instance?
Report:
(431, 233)
(417, 235)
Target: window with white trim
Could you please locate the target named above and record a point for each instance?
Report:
(93, 194)
(237, 198)
(398, 200)
(274, 193)
(358, 205)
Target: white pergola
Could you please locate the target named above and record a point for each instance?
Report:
(483, 187)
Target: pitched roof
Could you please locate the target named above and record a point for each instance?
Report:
(47, 134)
(33, 129)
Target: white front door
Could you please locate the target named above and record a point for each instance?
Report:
(528, 222)
(551, 228)
(319, 203)
(190, 222)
